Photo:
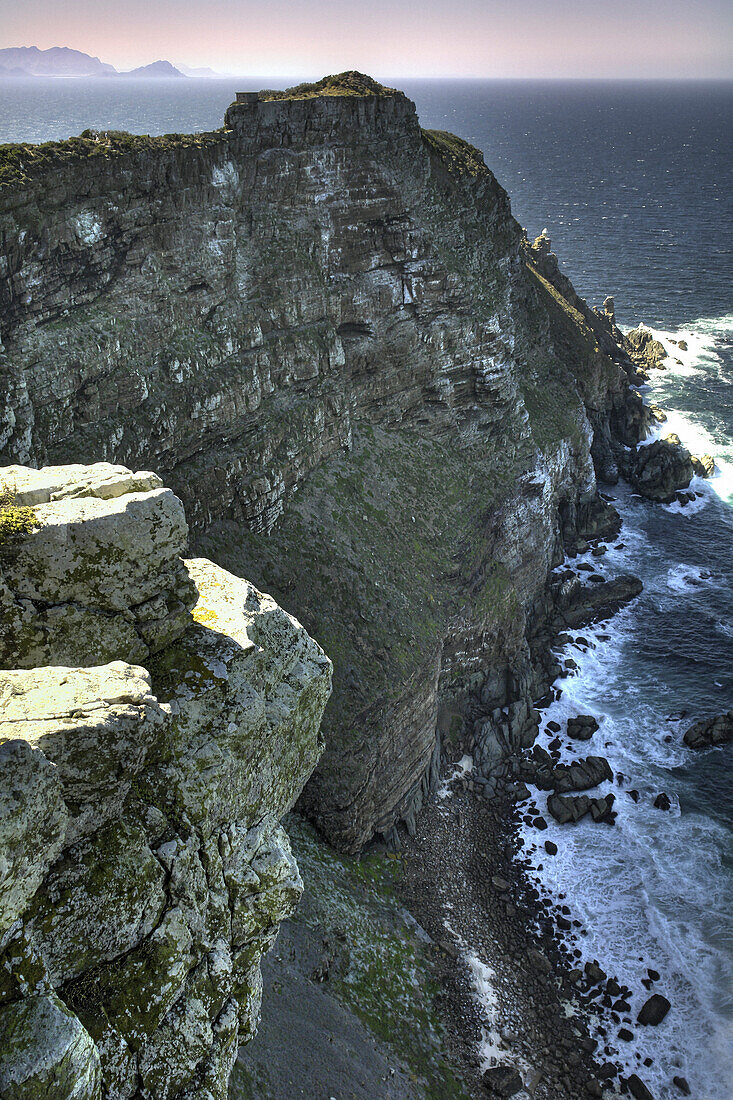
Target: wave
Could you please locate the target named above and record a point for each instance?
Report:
(700, 374)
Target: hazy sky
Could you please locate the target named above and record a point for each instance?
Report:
(389, 38)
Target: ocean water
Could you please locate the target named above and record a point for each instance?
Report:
(632, 182)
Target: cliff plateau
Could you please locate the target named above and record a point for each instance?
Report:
(158, 717)
(324, 328)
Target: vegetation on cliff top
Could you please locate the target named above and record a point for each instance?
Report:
(14, 519)
(459, 157)
(350, 83)
(20, 163)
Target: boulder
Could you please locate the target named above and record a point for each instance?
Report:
(660, 469)
(46, 1052)
(709, 732)
(572, 809)
(653, 1010)
(143, 868)
(637, 1088)
(644, 349)
(502, 1081)
(101, 576)
(580, 604)
(582, 727)
(704, 466)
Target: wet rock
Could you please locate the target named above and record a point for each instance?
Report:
(682, 1085)
(582, 775)
(550, 848)
(582, 727)
(566, 810)
(662, 801)
(654, 1010)
(658, 471)
(594, 973)
(625, 1034)
(704, 466)
(638, 1089)
(709, 732)
(502, 1081)
(644, 349)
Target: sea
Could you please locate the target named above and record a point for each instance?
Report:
(632, 181)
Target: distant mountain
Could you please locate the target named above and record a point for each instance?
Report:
(157, 68)
(25, 61)
(58, 61)
(204, 73)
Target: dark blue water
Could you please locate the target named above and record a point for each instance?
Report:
(633, 183)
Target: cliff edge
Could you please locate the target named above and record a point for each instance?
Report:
(159, 716)
(325, 329)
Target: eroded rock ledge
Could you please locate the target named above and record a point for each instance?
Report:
(143, 869)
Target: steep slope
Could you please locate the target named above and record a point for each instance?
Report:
(326, 330)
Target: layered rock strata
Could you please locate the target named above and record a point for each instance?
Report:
(323, 326)
(143, 869)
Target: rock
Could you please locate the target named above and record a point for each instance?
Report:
(645, 350)
(625, 1034)
(579, 604)
(682, 1084)
(704, 466)
(101, 574)
(551, 848)
(539, 961)
(33, 822)
(502, 1080)
(45, 1052)
(594, 973)
(709, 732)
(682, 345)
(573, 809)
(660, 469)
(143, 868)
(581, 775)
(637, 1088)
(582, 727)
(594, 1089)
(566, 810)
(662, 802)
(654, 1010)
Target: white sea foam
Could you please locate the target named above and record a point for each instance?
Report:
(649, 891)
(701, 360)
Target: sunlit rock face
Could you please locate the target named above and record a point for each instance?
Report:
(324, 329)
(144, 768)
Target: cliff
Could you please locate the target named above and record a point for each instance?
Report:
(159, 716)
(324, 328)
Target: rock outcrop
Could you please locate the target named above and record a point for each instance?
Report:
(660, 469)
(143, 869)
(326, 331)
(709, 732)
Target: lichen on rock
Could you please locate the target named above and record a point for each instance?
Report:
(143, 869)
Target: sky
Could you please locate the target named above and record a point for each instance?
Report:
(391, 38)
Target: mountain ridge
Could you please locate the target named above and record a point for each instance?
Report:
(21, 62)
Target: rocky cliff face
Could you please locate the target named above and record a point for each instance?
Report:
(158, 717)
(323, 326)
